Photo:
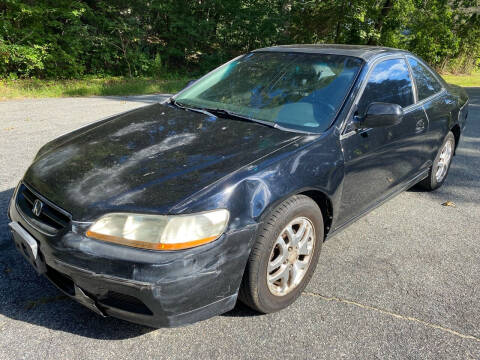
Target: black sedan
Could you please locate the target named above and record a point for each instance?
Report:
(165, 215)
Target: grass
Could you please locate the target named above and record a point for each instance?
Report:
(463, 80)
(34, 88)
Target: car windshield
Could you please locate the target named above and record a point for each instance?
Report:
(294, 90)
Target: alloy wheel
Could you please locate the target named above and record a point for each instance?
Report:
(290, 256)
(444, 161)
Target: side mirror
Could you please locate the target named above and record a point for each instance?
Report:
(380, 115)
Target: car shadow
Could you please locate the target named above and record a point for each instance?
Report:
(241, 310)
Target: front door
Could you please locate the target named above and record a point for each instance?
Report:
(379, 159)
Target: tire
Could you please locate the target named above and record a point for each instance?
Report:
(432, 181)
(256, 291)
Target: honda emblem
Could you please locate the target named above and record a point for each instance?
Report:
(37, 207)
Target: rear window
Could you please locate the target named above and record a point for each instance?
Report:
(427, 84)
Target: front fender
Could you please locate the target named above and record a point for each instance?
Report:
(313, 163)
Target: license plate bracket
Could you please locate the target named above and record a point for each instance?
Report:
(27, 246)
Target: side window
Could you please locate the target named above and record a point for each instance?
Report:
(388, 82)
(426, 83)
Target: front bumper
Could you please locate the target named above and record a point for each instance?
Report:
(158, 289)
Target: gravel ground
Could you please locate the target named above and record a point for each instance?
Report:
(403, 282)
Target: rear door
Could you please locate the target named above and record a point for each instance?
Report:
(380, 160)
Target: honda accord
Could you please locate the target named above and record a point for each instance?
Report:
(166, 214)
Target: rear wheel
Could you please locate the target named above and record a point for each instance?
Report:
(284, 256)
(439, 169)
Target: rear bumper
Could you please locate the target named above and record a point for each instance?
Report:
(158, 289)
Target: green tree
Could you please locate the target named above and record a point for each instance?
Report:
(64, 39)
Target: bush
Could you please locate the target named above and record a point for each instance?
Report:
(73, 38)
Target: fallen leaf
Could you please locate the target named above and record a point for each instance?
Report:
(449, 203)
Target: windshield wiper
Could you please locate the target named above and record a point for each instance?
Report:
(231, 115)
(223, 113)
(190, 108)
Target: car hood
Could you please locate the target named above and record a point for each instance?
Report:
(146, 160)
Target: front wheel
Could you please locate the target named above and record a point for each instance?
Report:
(284, 256)
(439, 169)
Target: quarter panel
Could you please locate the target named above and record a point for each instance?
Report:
(439, 111)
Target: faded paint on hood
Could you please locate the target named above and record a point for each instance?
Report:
(146, 160)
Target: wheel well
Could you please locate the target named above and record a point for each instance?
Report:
(456, 133)
(325, 206)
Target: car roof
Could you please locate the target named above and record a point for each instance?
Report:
(361, 51)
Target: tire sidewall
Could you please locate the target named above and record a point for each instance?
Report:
(433, 179)
(266, 299)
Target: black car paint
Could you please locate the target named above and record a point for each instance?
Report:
(147, 160)
(161, 159)
(177, 287)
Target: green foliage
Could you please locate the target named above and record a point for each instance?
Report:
(43, 38)
(33, 88)
(433, 33)
(74, 38)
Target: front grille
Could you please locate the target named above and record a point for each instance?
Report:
(50, 219)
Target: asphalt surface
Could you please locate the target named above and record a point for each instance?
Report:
(403, 282)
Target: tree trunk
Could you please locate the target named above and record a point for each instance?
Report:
(386, 8)
(341, 17)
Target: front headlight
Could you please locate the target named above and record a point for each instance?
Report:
(160, 232)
